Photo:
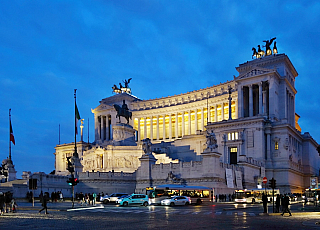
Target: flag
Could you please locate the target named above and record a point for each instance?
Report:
(11, 134)
(77, 118)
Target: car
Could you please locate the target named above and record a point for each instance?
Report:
(113, 197)
(103, 198)
(176, 200)
(134, 199)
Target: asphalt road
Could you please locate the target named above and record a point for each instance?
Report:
(213, 216)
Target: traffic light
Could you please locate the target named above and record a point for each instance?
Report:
(70, 167)
(75, 181)
(272, 183)
(72, 181)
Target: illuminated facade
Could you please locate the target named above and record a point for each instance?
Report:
(253, 117)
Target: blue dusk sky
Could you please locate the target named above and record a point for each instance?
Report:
(50, 48)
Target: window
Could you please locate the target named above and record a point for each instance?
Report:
(276, 145)
(233, 136)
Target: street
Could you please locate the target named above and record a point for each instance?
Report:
(213, 216)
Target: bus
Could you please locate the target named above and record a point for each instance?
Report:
(254, 195)
(198, 194)
(312, 194)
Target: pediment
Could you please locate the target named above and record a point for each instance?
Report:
(255, 71)
(103, 107)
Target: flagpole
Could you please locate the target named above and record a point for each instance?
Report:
(75, 124)
(10, 135)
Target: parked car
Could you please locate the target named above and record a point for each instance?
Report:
(134, 199)
(113, 197)
(176, 200)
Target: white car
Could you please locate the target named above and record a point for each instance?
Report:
(112, 198)
(176, 200)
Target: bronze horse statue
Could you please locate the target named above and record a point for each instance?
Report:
(123, 112)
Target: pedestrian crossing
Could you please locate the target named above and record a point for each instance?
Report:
(171, 212)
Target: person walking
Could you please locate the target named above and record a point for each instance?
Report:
(94, 196)
(286, 205)
(278, 204)
(44, 199)
(265, 202)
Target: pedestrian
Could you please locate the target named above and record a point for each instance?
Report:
(44, 200)
(61, 197)
(286, 205)
(8, 198)
(94, 195)
(265, 202)
(278, 203)
(1, 203)
(14, 205)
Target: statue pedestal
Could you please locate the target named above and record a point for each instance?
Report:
(123, 135)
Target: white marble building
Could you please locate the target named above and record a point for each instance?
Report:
(253, 117)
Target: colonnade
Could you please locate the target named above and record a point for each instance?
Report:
(175, 125)
(103, 127)
(253, 99)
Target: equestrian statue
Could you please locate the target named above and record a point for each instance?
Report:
(123, 111)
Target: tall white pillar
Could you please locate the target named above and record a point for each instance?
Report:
(222, 111)
(151, 128)
(195, 120)
(103, 128)
(139, 130)
(176, 126)
(158, 127)
(99, 128)
(250, 101)
(145, 128)
(182, 124)
(202, 119)
(189, 122)
(240, 101)
(170, 127)
(260, 98)
(164, 127)
(215, 113)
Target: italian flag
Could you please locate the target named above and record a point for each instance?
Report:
(11, 134)
(77, 118)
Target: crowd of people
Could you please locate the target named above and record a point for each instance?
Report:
(88, 198)
(7, 203)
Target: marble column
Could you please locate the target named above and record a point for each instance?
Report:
(195, 120)
(202, 119)
(139, 130)
(151, 128)
(145, 128)
(222, 111)
(103, 128)
(250, 101)
(170, 127)
(164, 127)
(158, 131)
(176, 126)
(189, 122)
(260, 98)
(99, 128)
(215, 113)
(182, 124)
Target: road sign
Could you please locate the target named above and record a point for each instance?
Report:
(264, 180)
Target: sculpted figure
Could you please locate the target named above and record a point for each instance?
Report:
(268, 44)
(126, 83)
(146, 146)
(123, 111)
(211, 141)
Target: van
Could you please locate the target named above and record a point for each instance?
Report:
(134, 199)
